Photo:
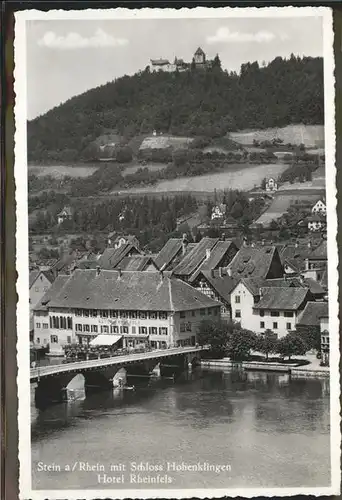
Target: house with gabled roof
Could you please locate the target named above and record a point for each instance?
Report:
(65, 214)
(112, 257)
(218, 285)
(171, 251)
(317, 261)
(253, 262)
(247, 294)
(39, 282)
(209, 253)
(133, 307)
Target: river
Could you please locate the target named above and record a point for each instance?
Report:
(266, 429)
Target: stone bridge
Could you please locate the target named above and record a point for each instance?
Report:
(52, 380)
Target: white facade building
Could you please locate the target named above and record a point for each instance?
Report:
(319, 208)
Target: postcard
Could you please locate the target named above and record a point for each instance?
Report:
(176, 253)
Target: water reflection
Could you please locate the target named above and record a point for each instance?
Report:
(274, 430)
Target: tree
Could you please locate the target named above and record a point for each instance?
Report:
(311, 335)
(240, 343)
(217, 62)
(214, 333)
(263, 183)
(292, 345)
(267, 343)
(123, 154)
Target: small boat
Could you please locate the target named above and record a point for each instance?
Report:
(129, 387)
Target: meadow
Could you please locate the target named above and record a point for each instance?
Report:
(309, 135)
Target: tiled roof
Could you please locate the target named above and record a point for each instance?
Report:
(252, 262)
(216, 255)
(282, 298)
(112, 257)
(312, 312)
(168, 252)
(159, 62)
(136, 263)
(319, 252)
(222, 284)
(199, 51)
(33, 277)
(55, 288)
(191, 261)
(128, 291)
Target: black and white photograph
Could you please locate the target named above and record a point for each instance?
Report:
(176, 253)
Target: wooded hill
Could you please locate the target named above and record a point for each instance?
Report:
(207, 103)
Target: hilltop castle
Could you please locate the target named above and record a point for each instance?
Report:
(199, 60)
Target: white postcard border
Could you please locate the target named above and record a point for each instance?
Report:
(22, 262)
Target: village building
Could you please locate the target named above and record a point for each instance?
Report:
(117, 241)
(256, 262)
(138, 263)
(112, 257)
(209, 253)
(271, 185)
(218, 285)
(65, 214)
(293, 256)
(247, 294)
(317, 262)
(178, 64)
(319, 207)
(315, 320)
(317, 222)
(39, 283)
(134, 307)
(172, 252)
(219, 211)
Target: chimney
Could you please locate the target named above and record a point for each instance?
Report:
(98, 270)
(244, 241)
(120, 272)
(309, 244)
(220, 272)
(229, 271)
(260, 293)
(223, 236)
(212, 272)
(184, 243)
(253, 245)
(207, 253)
(296, 244)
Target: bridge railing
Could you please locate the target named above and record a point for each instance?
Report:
(93, 363)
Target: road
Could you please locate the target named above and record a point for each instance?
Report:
(46, 371)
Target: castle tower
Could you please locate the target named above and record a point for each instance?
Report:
(199, 56)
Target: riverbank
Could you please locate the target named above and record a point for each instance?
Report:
(297, 369)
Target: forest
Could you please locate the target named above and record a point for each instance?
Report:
(195, 103)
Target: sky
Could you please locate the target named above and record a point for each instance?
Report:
(67, 57)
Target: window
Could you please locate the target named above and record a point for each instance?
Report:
(104, 314)
(288, 326)
(143, 315)
(78, 327)
(54, 339)
(237, 313)
(262, 324)
(275, 325)
(182, 327)
(38, 340)
(93, 313)
(104, 329)
(45, 288)
(69, 339)
(123, 314)
(237, 299)
(209, 311)
(188, 327)
(114, 329)
(134, 330)
(78, 312)
(202, 312)
(182, 314)
(134, 314)
(193, 313)
(94, 328)
(274, 313)
(262, 313)
(152, 315)
(123, 329)
(37, 325)
(69, 323)
(86, 328)
(162, 330)
(143, 330)
(86, 313)
(45, 325)
(153, 330)
(288, 314)
(162, 315)
(216, 310)
(50, 322)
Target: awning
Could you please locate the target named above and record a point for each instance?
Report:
(105, 340)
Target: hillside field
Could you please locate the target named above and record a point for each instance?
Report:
(309, 135)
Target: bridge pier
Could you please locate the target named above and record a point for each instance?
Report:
(50, 391)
